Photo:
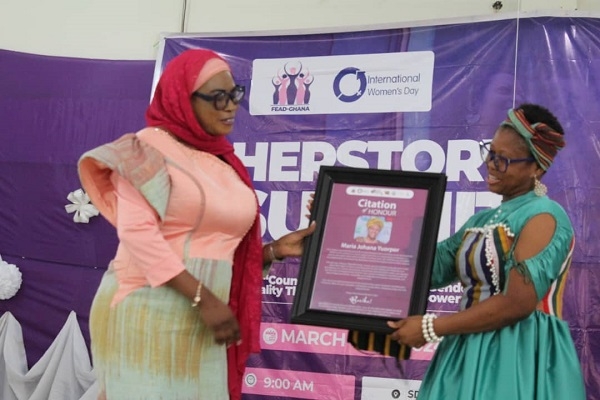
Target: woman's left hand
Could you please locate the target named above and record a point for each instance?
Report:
(408, 331)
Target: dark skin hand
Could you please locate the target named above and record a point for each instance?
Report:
(214, 313)
(290, 245)
(309, 205)
(218, 317)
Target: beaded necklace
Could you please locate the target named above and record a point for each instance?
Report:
(491, 256)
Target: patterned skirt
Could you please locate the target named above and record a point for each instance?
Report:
(153, 344)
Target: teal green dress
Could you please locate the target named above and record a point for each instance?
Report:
(534, 359)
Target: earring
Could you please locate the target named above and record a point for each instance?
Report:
(538, 187)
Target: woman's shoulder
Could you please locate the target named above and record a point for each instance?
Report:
(520, 211)
(544, 204)
(139, 163)
(126, 151)
(172, 148)
(157, 138)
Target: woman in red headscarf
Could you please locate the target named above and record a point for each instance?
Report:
(178, 310)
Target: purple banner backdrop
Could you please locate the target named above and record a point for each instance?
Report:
(54, 109)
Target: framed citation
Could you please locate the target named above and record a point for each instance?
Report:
(370, 258)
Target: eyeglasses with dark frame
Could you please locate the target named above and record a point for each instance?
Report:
(220, 99)
(501, 163)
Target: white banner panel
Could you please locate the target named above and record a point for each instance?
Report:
(374, 388)
(365, 83)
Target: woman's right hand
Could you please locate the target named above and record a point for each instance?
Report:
(219, 318)
(215, 314)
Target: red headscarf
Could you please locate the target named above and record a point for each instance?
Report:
(171, 109)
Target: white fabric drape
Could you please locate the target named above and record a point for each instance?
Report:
(63, 373)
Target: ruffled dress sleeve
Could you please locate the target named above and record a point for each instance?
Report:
(127, 180)
(548, 267)
(137, 162)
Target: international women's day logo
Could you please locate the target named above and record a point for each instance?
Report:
(353, 95)
(350, 84)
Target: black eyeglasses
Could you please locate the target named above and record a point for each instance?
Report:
(501, 163)
(220, 98)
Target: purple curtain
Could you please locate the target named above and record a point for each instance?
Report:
(52, 110)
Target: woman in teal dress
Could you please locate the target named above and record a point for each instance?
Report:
(508, 340)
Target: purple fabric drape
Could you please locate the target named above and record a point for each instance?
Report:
(52, 110)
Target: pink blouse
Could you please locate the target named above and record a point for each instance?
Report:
(209, 211)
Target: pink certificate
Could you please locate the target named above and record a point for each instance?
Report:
(370, 259)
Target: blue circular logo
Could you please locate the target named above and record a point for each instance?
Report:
(360, 76)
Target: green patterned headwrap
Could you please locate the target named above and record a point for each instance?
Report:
(543, 141)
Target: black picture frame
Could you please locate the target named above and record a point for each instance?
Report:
(330, 274)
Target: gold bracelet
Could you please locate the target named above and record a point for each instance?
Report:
(197, 297)
(272, 253)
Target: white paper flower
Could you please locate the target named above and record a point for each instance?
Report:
(10, 280)
(81, 206)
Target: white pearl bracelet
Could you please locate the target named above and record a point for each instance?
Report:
(427, 328)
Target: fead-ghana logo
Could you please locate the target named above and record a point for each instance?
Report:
(291, 87)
